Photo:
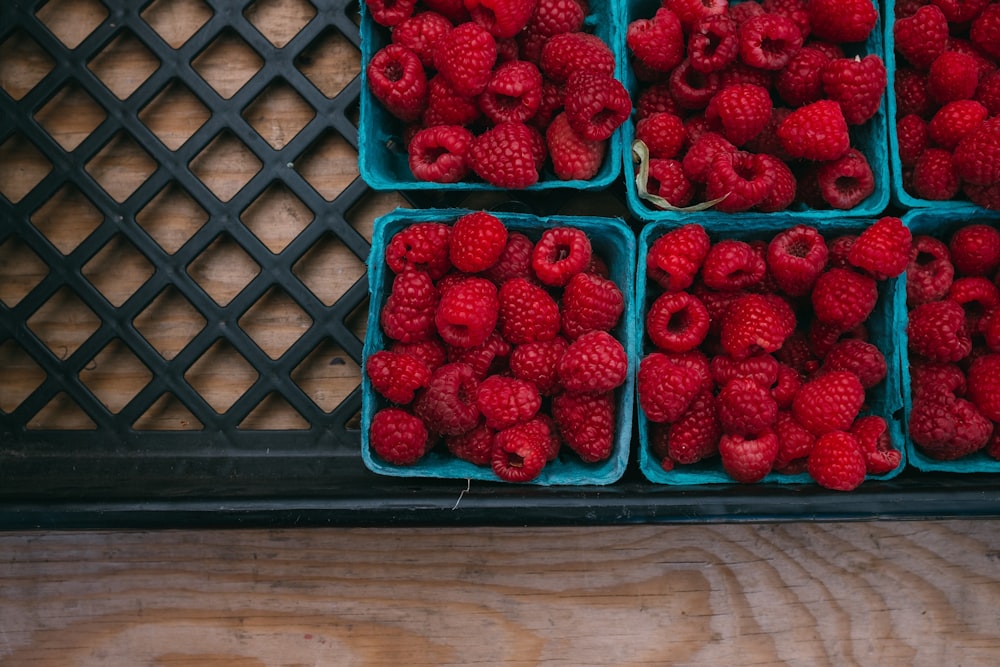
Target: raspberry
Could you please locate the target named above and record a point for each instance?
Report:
(474, 446)
(527, 312)
(430, 351)
(786, 386)
(445, 106)
(657, 42)
(397, 436)
(448, 403)
(514, 261)
(882, 249)
(692, 11)
(922, 37)
(985, 64)
(836, 462)
(713, 43)
(947, 428)
(829, 402)
(800, 82)
(783, 192)
(573, 157)
(465, 56)
(977, 295)
(954, 121)
(816, 131)
(984, 385)
(843, 298)
(929, 273)
(847, 181)
(420, 32)
(666, 387)
(857, 84)
(952, 76)
(753, 324)
(519, 453)
(913, 136)
(590, 303)
(767, 141)
(697, 362)
(795, 259)
(537, 362)
(390, 12)
(928, 378)
(571, 52)
(748, 459)
(936, 330)
(502, 18)
(987, 196)
(596, 105)
(795, 442)
(666, 179)
(961, 11)
(732, 265)
(985, 31)
(912, 96)
(477, 241)
(513, 93)
(594, 362)
(769, 41)
(559, 254)
(975, 249)
(745, 407)
(663, 133)
(762, 368)
(655, 98)
(691, 89)
(935, 176)
(505, 155)
(740, 179)
(739, 72)
(742, 110)
(695, 435)
(552, 17)
(396, 78)
(872, 434)
(841, 21)
(792, 9)
(859, 357)
(677, 322)
(674, 259)
(586, 422)
(487, 358)
(439, 153)
(989, 328)
(745, 11)
(988, 93)
(410, 307)
(977, 156)
(697, 161)
(505, 401)
(822, 337)
(467, 312)
(396, 376)
(422, 246)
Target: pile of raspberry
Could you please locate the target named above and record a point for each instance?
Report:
(497, 90)
(953, 339)
(947, 88)
(500, 348)
(753, 104)
(757, 353)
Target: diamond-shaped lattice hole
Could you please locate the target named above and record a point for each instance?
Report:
(67, 218)
(115, 376)
(118, 270)
(330, 165)
(328, 375)
(124, 65)
(21, 375)
(176, 20)
(274, 414)
(361, 216)
(221, 376)
(278, 114)
(20, 271)
(169, 323)
(23, 167)
(23, 63)
(329, 269)
(172, 217)
(275, 322)
(223, 269)
(71, 116)
(280, 20)
(225, 166)
(174, 115)
(167, 414)
(227, 64)
(357, 320)
(353, 113)
(331, 62)
(121, 167)
(62, 413)
(276, 217)
(71, 21)
(64, 323)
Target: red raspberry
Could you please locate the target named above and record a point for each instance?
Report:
(537, 362)
(587, 423)
(502, 18)
(859, 357)
(952, 76)
(430, 351)
(913, 136)
(422, 246)
(977, 156)
(513, 93)
(465, 57)
(786, 386)
(797, 353)
(410, 307)
(677, 322)
(984, 385)
(847, 181)
(475, 446)
(420, 32)
(527, 312)
(842, 21)
(658, 41)
(519, 453)
(713, 43)
(697, 362)
(816, 131)
(954, 121)
(928, 378)
(655, 98)
(697, 161)
(792, 9)
(753, 324)
(961, 11)
(546, 426)
(744, 11)
(440, 153)
(829, 402)
(985, 31)
(989, 328)
(822, 337)
(390, 12)
(445, 106)
(741, 179)
(745, 407)
(930, 272)
(872, 434)
(594, 362)
(783, 193)
(666, 387)
(454, 10)
(396, 376)
(800, 82)
(666, 179)
(837, 462)
(936, 330)
(912, 96)
(857, 84)
(506, 155)
(922, 37)
(573, 157)
(552, 17)
(947, 428)
(935, 176)
(560, 254)
(882, 250)
(397, 80)
(762, 368)
(514, 261)
(691, 89)
(767, 141)
(663, 133)
(987, 196)
(505, 401)
(674, 259)
(448, 403)
(477, 241)
(975, 249)
(739, 72)
(398, 437)
(795, 259)
(769, 41)
(843, 298)
(467, 312)
(742, 110)
(795, 442)
(985, 64)
(488, 358)
(571, 52)
(692, 11)
(732, 265)
(596, 104)
(748, 459)
(977, 295)
(590, 303)
(988, 93)
(695, 435)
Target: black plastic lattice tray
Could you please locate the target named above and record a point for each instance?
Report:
(74, 453)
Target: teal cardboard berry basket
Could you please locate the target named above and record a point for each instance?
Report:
(614, 241)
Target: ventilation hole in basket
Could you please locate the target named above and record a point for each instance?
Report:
(280, 20)
(225, 166)
(330, 165)
(275, 322)
(124, 65)
(329, 269)
(353, 422)
(21, 375)
(361, 216)
(169, 323)
(71, 21)
(353, 12)
(327, 375)
(276, 217)
(357, 320)
(176, 20)
(64, 323)
(167, 413)
(353, 113)
(121, 167)
(221, 376)
(118, 270)
(71, 116)
(115, 376)
(23, 167)
(278, 114)
(274, 414)
(227, 64)
(67, 218)
(23, 63)
(20, 271)
(175, 115)
(172, 217)
(330, 62)
(223, 269)
(62, 413)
